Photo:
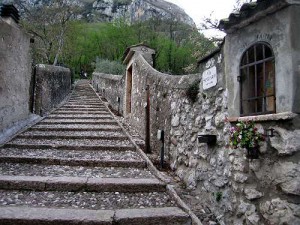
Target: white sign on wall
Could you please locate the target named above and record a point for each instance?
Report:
(209, 78)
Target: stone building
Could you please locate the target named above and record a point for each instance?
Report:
(254, 76)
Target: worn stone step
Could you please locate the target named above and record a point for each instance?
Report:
(152, 216)
(85, 200)
(78, 117)
(72, 157)
(74, 162)
(84, 105)
(71, 147)
(44, 183)
(65, 127)
(70, 142)
(53, 216)
(73, 137)
(85, 99)
(89, 107)
(109, 135)
(78, 121)
(78, 112)
(29, 169)
(80, 107)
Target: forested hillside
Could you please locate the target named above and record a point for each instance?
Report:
(64, 37)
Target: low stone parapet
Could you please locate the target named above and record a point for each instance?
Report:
(53, 84)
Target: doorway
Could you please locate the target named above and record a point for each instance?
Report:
(129, 90)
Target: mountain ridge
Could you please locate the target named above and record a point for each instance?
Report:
(129, 10)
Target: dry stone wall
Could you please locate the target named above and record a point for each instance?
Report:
(236, 189)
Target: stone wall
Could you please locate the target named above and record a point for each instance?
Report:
(162, 88)
(53, 84)
(111, 87)
(15, 75)
(236, 189)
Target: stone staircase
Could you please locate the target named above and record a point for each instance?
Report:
(77, 166)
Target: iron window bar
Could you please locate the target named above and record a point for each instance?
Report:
(260, 84)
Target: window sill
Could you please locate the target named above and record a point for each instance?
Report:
(267, 117)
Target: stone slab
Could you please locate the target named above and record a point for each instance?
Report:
(125, 185)
(47, 216)
(39, 183)
(74, 162)
(152, 216)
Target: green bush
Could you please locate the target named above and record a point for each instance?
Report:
(110, 67)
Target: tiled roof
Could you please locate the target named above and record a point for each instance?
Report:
(250, 12)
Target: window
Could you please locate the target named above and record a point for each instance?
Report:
(257, 81)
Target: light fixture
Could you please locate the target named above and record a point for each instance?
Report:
(270, 132)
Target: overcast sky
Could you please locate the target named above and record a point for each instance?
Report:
(198, 9)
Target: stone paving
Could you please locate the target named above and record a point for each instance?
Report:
(80, 158)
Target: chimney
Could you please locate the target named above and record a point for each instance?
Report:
(9, 12)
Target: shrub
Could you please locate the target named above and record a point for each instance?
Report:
(109, 67)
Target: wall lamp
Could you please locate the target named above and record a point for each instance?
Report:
(269, 132)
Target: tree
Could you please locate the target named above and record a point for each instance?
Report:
(48, 23)
(213, 23)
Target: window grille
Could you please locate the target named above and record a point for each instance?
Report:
(257, 81)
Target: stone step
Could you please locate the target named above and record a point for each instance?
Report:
(79, 117)
(89, 107)
(72, 157)
(73, 146)
(77, 121)
(29, 169)
(82, 128)
(54, 216)
(109, 135)
(85, 101)
(73, 137)
(74, 162)
(80, 112)
(76, 184)
(69, 142)
(85, 199)
(80, 107)
(77, 104)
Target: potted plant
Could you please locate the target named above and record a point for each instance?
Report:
(246, 135)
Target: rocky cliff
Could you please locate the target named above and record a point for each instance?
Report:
(130, 10)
